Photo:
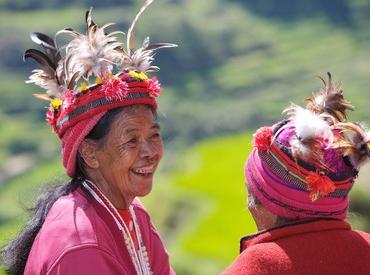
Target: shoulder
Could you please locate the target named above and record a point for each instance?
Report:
(73, 219)
(143, 218)
(139, 207)
(71, 223)
(362, 241)
(264, 258)
(363, 235)
(142, 215)
(267, 254)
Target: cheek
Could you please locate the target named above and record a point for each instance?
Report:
(126, 158)
(268, 218)
(160, 151)
(118, 162)
(159, 148)
(254, 211)
(250, 202)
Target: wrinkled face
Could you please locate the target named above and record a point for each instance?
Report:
(263, 218)
(129, 155)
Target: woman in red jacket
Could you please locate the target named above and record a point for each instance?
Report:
(298, 177)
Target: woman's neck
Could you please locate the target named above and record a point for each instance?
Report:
(118, 200)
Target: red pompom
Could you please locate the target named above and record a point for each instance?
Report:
(69, 100)
(320, 185)
(114, 88)
(154, 87)
(262, 138)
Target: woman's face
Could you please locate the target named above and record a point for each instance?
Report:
(263, 218)
(128, 156)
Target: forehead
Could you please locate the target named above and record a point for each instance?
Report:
(137, 117)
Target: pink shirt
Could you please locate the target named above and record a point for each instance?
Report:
(80, 237)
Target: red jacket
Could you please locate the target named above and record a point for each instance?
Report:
(80, 237)
(312, 248)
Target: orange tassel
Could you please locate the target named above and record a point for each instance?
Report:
(320, 185)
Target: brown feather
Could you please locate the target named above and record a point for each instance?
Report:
(40, 58)
(88, 19)
(329, 100)
(354, 143)
(49, 46)
(156, 46)
(130, 32)
(72, 82)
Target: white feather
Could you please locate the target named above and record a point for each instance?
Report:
(309, 125)
(93, 55)
(140, 60)
(44, 81)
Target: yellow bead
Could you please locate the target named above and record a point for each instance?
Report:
(83, 86)
(98, 80)
(137, 75)
(56, 103)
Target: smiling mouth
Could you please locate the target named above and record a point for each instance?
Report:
(144, 171)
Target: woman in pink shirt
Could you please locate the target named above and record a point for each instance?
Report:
(111, 147)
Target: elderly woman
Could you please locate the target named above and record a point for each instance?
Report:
(298, 178)
(111, 147)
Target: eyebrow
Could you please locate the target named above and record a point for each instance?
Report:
(154, 126)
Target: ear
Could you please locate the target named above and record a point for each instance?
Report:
(88, 153)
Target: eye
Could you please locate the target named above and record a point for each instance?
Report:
(131, 141)
(156, 135)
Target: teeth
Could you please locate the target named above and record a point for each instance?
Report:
(147, 170)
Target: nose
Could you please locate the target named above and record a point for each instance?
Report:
(148, 150)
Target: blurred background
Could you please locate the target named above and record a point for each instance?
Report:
(238, 64)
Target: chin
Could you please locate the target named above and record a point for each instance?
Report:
(145, 189)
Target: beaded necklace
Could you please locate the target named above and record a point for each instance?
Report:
(139, 257)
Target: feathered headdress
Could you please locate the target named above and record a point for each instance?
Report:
(325, 149)
(93, 70)
(329, 100)
(354, 142)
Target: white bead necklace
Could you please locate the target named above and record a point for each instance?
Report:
(139, 257)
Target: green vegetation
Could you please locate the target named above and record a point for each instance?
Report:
(238, 64)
